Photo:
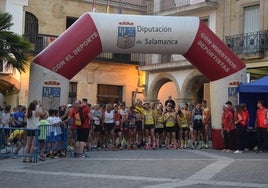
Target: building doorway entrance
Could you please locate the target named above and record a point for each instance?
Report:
(109, 94)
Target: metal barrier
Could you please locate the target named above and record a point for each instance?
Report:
(51, 140)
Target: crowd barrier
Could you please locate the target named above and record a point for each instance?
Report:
(50, 140)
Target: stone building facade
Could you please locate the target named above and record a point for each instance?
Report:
(242, 25)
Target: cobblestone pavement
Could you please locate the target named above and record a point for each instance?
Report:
(148, 169)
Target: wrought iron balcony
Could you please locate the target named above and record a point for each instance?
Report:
(140, 5)
(249, 45)
(41, 41)
(181, 6)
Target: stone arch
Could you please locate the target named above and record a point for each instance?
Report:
(158, 82)
(192, 83)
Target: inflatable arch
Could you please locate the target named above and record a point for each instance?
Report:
(94, 33)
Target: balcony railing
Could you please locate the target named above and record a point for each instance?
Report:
(41, 41)
(135, 59)
(183, 5)
(140, 5)
(253, 44)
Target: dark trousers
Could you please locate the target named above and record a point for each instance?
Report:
(229, 139)
(241, 137)
(262, 138)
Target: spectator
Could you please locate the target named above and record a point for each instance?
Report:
(51, 133)
(245, 114)
(19, 117)
(5, 121)
(34, 111)
(59, 133)
(241, 129)
(42, 137)
(245, 122)
(228, 129)
(261, 126)
(63, 112)
(171, 102)
(230, 106)
(71, 130)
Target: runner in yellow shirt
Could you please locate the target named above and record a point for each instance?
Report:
(149, 126)
(170, 122)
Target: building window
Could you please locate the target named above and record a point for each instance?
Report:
(31, 27)
(165, 58)
(70, 21)
(109, 93)
(72, 92)
(122, 57)
(251, 19)
(252, 39)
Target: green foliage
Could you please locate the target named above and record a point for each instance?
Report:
(13, 47)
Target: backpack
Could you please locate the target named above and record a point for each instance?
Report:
(78, 117)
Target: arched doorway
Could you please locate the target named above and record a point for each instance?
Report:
(31, 27)
(158, 82)
(167, 89)
(193, 89)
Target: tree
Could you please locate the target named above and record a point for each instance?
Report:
(13, 47)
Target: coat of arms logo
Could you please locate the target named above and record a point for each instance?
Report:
(126, 35)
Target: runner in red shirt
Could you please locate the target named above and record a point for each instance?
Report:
(228, 129)
(81, 127)
(241, 128)
(261, 126)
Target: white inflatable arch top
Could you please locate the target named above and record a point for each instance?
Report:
(94, 33)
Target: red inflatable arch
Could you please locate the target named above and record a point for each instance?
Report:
(94, 33)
